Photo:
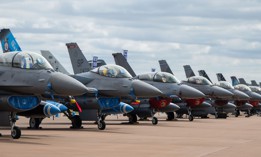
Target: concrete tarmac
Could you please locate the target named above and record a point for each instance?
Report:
(201, 138)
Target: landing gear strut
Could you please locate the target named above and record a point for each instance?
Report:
(15, 131)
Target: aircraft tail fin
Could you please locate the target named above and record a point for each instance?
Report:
(8, 41)
(254, 83)
(242, 81)
(57, 66)
(121, 61)
(204, 74)
(234, 80)
(188, 71)
(79, 62)
(220, 77)
(164, 66)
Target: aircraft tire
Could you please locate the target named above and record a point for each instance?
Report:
(170, 115)
(34, 123)
(101, 125)
(132, 118)
(191, 118)
(76, 122)
(154, 121)
(16, 132)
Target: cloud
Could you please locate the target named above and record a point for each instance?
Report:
(220, 36)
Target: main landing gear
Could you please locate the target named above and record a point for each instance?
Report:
(133, 119)
(171, 116)
(34, 123)
(75, 120)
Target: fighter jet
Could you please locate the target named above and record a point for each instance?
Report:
(26, 79)
(29, 61)
(110, 80)
(218, 94)
(201, 109)
(240, 98)
(257, 107)
(167, 83)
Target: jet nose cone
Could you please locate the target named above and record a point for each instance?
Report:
(221, 92)
(255, 96)
(187, 92)
(240, 95)
(126, 108)
(65, 85)
(143, 89)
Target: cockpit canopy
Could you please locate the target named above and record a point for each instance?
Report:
(24, 60)
(242, 87)
(255, 89)
(159, 77)
(225, 85)
(199, 80)
(111, 70)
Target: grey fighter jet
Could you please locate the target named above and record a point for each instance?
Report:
(256, 107)
(48, 107)
(215, 94)
(240, 98)
(167, 83)
(110, 80)
(90, 105)
(201, 109)
(26, 79)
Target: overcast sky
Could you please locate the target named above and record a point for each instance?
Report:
(218, 35)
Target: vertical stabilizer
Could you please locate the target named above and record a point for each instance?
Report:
(121, 61)
(57, 66)
(204, 74)
(254, 83)
(8, 41)
(188, 71)
(234, 80)
(164, 66)
(220, 77)
(79, 62)
(242, 81)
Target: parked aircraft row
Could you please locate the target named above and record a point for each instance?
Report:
(37, 86)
